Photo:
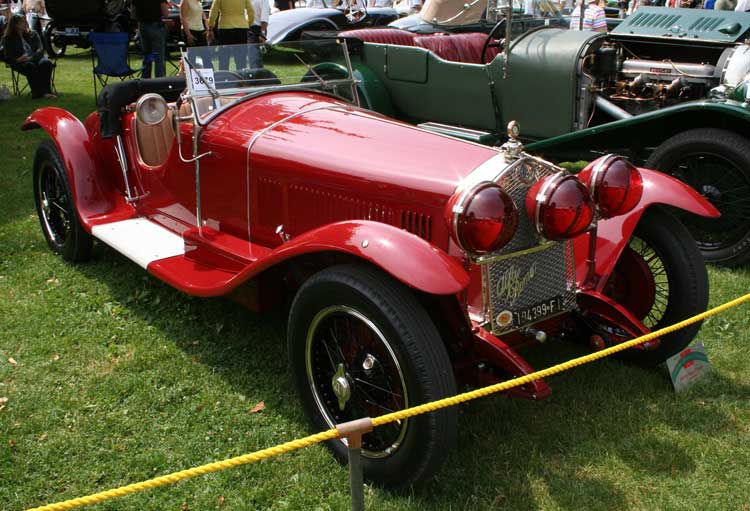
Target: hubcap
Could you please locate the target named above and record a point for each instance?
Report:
(341, 387)
(353, 372)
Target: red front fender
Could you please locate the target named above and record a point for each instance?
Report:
(93, 196)
(412, 260)
(614, 234)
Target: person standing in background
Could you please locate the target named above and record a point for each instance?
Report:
(34, 10)
(594, 18)
(16, 6)
(193, 20)
(258, 30)
(233, 19)
(153, 34)
(283, 5)
(725, 5)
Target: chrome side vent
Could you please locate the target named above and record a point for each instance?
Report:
(417, 223)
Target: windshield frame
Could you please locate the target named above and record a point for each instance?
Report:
(315, 83)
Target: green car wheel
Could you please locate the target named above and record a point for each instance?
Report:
(716, 163)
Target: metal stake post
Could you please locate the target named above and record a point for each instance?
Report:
(353, 432)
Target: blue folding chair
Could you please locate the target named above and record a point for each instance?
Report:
(110, 49)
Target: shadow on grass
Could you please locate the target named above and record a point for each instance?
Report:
(567, 452)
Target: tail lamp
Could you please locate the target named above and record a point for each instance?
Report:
(560, 206)
(482, 219)
(615, 184)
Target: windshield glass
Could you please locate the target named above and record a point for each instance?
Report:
(462, 12)
(219, 76)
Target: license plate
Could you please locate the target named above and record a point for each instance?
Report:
(72, 31)
(531, 314)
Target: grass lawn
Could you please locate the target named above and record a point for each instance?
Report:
(118, 378)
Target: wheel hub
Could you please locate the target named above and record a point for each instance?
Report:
(341, 387)
(711, 193)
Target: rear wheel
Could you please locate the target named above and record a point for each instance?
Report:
(661, 279)
(55, 206)
(55, 43)
(361, 345)
(717, 164)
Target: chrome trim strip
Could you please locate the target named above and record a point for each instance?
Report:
(598, 169)
(539, 248)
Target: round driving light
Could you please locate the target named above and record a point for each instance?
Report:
(483, 219)
(560, 206)
(151, 109)
(615, 183)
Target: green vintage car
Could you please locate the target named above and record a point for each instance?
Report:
(667, 87)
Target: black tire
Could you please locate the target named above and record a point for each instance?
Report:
(55, 45)
(716, 163)
(399, 455)
(662, 247)
(57, 212)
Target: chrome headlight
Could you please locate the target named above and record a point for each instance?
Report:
(151, 109)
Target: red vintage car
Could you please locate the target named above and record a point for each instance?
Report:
(409, 261)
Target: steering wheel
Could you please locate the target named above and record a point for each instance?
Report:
(355, 12)
(492, 41)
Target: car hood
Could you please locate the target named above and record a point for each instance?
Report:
(314, 137)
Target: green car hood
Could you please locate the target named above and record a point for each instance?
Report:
(686, 25)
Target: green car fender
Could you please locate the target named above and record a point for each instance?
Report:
(647, 130)
(371, 91)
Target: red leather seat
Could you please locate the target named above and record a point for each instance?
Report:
(457, 47)
(382, 36)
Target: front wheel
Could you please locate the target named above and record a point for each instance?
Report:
(661, 279)
(55, 206)
(717, 164)
(361, 345)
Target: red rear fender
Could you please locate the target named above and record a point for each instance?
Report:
(94, 196)
(614, 234)
(408, 258)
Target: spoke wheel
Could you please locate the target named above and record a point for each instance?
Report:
(353, 372)
(361, 345)
(661, 279)
(56, 213)
(716, 163)
(55, 206)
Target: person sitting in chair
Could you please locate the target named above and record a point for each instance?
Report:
(25, 54)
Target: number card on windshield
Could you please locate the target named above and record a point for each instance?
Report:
(199, 85)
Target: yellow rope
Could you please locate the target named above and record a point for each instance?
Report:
(191, 472)
(538, 375)
(378, 421)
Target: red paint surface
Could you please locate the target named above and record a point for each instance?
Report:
(613, 234)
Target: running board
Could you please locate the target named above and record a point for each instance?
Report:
(140, 240)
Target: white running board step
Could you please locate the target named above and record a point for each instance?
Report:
(140, 240)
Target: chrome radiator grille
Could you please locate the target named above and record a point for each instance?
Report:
(529, 279)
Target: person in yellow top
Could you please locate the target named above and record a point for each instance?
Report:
(233, 19)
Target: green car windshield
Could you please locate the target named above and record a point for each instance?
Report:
(219, 76)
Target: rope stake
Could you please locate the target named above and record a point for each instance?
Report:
(360, 426)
